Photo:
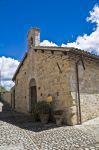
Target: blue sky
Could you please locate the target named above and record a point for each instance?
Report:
(60, 21)
(72, 23)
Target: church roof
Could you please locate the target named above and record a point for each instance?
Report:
(65, 50)
(69, 49)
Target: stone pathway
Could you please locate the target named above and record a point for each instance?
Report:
(67, 138)
(18, 134)
(85, 137)
(14, 138)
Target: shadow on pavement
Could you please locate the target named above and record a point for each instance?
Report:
(22, 120)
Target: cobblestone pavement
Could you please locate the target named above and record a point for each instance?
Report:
(24, 135)
(85, 137)
(14, 138)
(68, 138)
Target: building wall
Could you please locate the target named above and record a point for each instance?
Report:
(13, 97)
(49, 80)
(53, 81)
(7, 97)
(89, 88)
(61, 84)
(21, 86)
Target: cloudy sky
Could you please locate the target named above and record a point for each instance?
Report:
(62, 23)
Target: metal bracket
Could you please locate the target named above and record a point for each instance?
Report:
(59, 68)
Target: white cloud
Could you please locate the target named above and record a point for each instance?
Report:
(7, 67)
(86, 42)
(48, 43)
(89, 42)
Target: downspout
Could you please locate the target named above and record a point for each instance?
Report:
(78, 89)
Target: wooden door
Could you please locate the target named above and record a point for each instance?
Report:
(33, 97)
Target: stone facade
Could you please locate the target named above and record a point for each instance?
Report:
(7, 97)
(52, 71)
(89, 88)
(13, 97)
(49, 80)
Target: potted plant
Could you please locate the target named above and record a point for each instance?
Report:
(43, 109)
(58, 115)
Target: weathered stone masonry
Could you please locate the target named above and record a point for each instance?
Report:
(52, 71)
(89, 88)
(48, 78)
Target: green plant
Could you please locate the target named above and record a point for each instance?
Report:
(43, 107)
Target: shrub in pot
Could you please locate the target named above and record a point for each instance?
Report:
(43, 109)
(58, 115)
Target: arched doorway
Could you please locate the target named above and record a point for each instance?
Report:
(33, 94)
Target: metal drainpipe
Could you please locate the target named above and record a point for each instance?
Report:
(78, 89)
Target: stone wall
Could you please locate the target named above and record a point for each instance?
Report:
(54, 81)
(13, 97)
(21, 86)
(55, 74)
(43, 67)
(7, 97)
(89, 88)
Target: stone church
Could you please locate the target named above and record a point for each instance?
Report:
(70, 75)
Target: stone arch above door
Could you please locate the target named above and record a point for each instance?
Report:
(32, 82)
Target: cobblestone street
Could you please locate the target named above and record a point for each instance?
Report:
(16, 134)
(68, 138)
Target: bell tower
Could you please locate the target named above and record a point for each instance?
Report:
(33, 37)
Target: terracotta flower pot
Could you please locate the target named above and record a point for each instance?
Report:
(44, 118)
(59, 120)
